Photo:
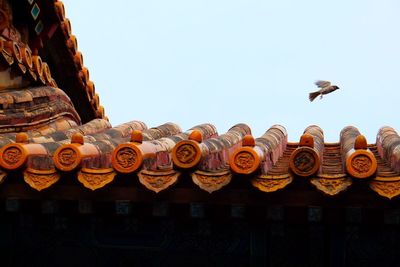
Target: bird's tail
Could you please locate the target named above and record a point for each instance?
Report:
(313, 95)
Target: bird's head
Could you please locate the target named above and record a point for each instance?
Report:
(336, 87)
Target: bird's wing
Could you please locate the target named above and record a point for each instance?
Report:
(330, 89)
(322, 84)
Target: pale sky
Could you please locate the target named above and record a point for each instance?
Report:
(251, 61)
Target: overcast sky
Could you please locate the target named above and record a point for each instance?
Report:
(251, 61)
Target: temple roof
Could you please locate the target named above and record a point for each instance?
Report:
(54, 135)
(99, 156)
(47, 52)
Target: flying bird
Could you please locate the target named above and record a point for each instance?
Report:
(326, 88)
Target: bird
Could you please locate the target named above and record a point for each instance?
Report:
(326, 88)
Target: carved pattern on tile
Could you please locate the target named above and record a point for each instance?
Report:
(186, 153)
(244, 160)
(158, 180)
(12, 155)
(271, 183)
(126, 157)
(304, 161)
(40, 180)
(96, 178)
(361, 163)
(331, 186)
(211, 182)
(67, 157)
(388, 189)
